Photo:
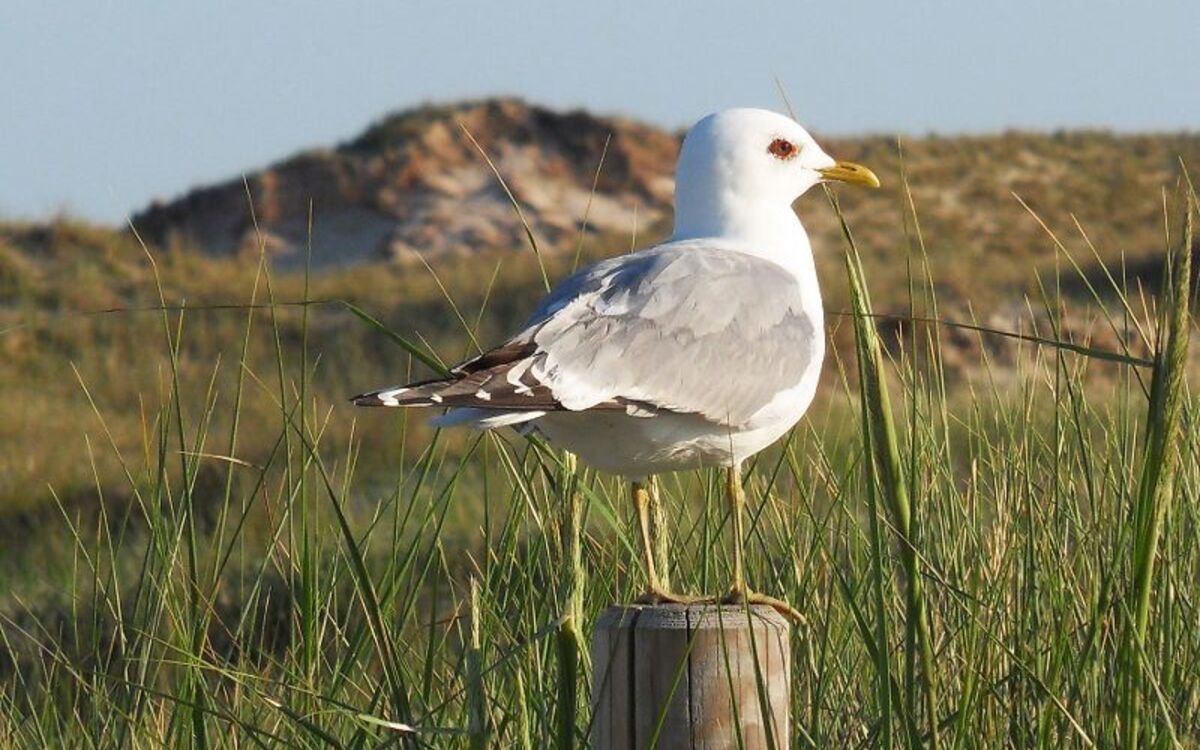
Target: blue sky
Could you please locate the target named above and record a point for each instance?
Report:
(105, 105)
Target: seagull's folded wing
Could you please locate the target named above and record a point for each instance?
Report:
(684, 327)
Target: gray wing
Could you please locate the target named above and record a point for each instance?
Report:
(685, 327)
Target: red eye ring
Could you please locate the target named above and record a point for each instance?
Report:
(781, 148)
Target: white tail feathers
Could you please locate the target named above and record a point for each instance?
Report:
(484, 419)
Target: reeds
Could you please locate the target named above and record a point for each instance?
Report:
(888, 488)
(1005, 558)
(1157, 480)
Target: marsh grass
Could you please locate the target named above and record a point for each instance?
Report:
(1004, 561)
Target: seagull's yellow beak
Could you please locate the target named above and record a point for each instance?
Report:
(850, 173)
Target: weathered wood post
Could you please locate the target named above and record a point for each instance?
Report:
(692, 677)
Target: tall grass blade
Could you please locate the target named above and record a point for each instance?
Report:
(569, 640)
(883, 449)
(1156, 483)
(476, 697)
(416, 350)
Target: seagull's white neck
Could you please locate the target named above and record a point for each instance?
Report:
(773, 229)
(764, 228)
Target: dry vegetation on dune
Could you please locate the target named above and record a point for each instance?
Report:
(81, 324)
(1002, 220)
(419, 179)
(988, 255)
(77, 320)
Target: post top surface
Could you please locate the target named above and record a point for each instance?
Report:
(690, 616)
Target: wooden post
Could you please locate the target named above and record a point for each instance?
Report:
(676, 677)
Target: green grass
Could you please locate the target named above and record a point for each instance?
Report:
(232, 556)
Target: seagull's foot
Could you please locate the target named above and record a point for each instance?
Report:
(744, 596)
(658, 595)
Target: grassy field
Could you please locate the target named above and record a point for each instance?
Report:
(204, 546)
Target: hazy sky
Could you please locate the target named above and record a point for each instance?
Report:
(105, 105)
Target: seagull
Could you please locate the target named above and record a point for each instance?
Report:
(697, 352)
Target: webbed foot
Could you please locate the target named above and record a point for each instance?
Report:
(656, 595)
(743, 596)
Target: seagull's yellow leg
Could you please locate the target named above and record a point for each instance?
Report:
(660, 535)
(738, 591)
(737, 503)
(656, 593)
(641, 502)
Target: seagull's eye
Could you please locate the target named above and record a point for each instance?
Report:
(781, 148)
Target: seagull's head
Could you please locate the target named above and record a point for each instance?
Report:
(738, 158)
(765, 153)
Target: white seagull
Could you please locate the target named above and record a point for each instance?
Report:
(700, 351)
